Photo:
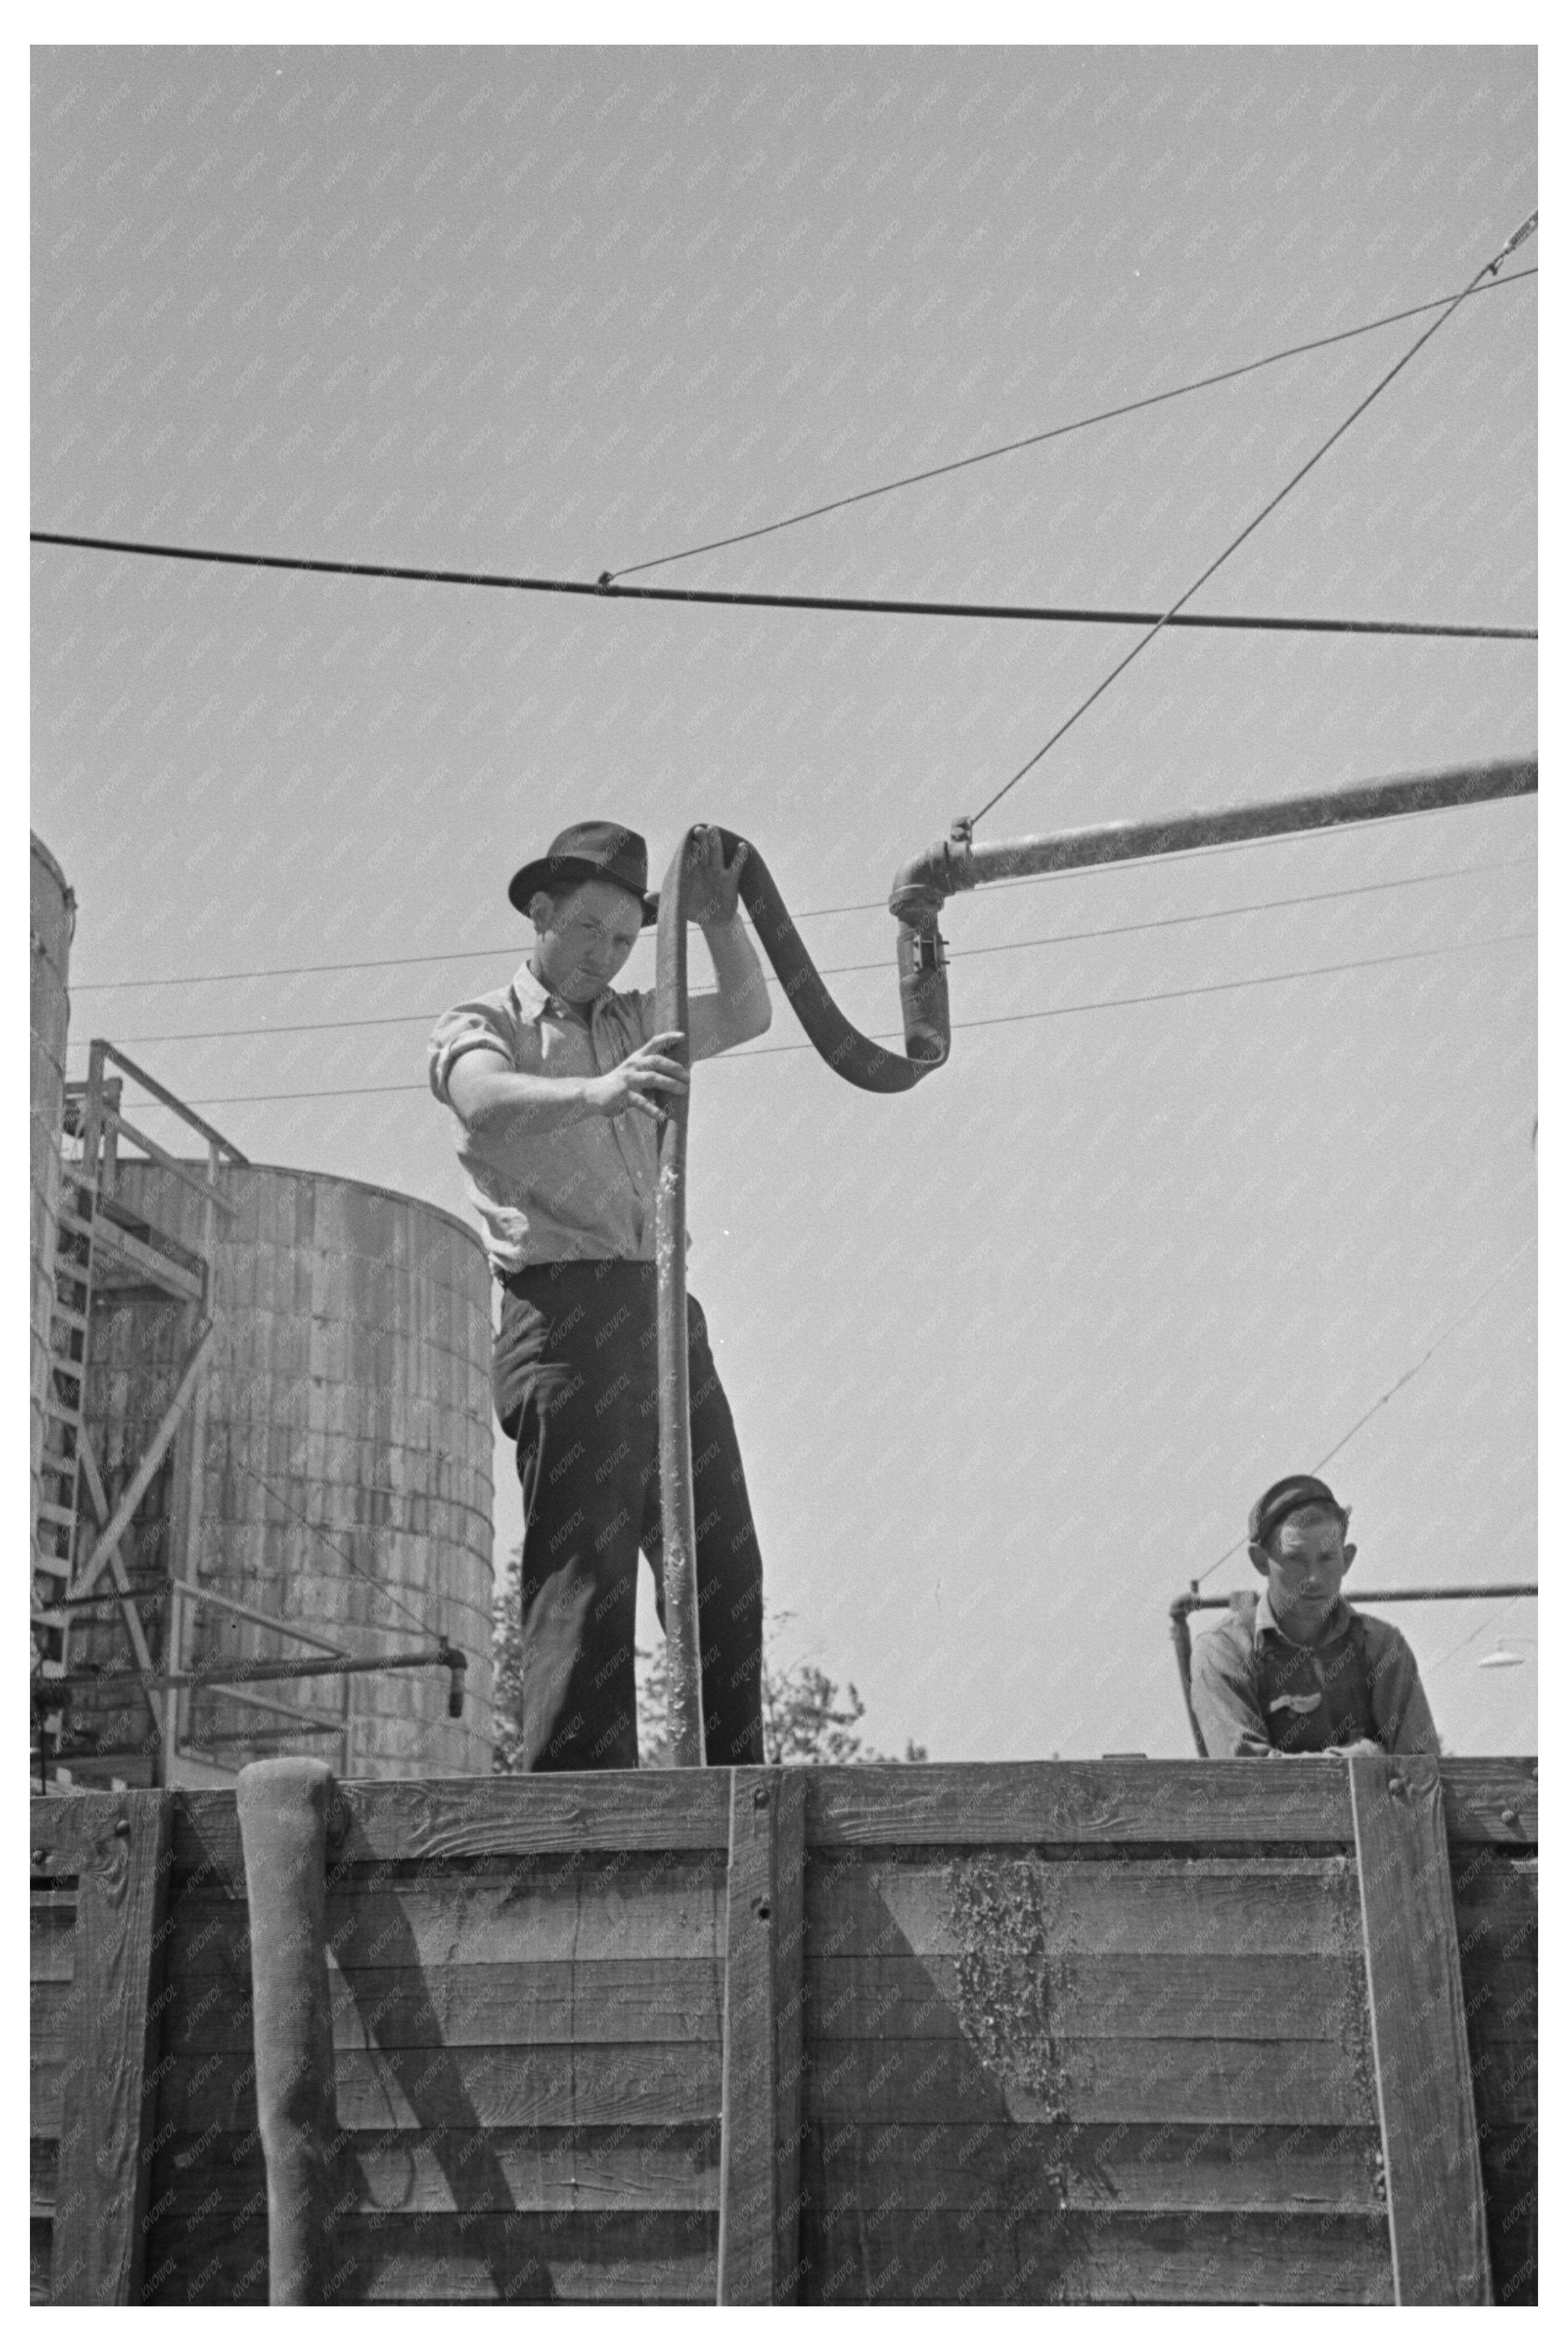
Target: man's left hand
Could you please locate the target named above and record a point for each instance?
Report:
(713, 888)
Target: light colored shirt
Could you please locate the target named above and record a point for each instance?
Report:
(1246, 1667)
(586, 1191)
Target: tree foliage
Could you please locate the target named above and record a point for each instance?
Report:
(805, 1717)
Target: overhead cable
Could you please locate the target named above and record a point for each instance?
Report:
(992, 1020)
(1056, 431)
(898, 607)
(1527, 228)
(844, 970)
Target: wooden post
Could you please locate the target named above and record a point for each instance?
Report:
(111, 2093)
(283, 1808)
(1431, 2156)
(759, 2178)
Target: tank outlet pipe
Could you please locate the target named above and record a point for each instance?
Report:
(921, 887)
(287, 1807)
(922, 984)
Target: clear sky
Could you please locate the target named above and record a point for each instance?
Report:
(1010, 1356)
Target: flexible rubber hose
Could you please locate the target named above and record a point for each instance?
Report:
(857, 1058)
(924, 986)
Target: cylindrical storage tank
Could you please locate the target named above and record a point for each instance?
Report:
(345, 1483)
(53, 907)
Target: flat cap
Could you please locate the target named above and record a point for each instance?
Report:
(1286, 1495)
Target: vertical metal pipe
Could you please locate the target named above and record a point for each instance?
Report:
(677, 1509)
(1181, 1638)
(284, 1805)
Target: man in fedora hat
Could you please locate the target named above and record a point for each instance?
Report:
(558, 1081)
(1292, 1670)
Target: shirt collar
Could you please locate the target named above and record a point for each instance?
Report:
(534, 997)
(1267, 1622)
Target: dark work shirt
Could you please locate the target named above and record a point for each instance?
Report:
(1256, 1692)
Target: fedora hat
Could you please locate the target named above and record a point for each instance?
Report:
(595, 852)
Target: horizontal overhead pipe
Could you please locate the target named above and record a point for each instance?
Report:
(922, 886)
(1185, 1602)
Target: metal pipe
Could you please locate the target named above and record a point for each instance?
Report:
(1186, 1602)
(920, 888)
(1182, 1639)
(269, 1670)
(678, 1509)
(284, 1807)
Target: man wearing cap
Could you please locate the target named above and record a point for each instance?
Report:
(558, 1081)
(1293, 1671)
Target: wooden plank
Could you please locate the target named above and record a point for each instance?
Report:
(555, 1813)
(1072, 1804)
(166, 1159)
(43, 2175)
(639, 1911)
(113, 1245)
(1313, 2082)
(501, 2005)
(1495, 1907)
(1097, 2167)
(51, 1938)
(54, 2017)
(65, 1833)
(1437, 2209)
(109, 2096)
(487, 2256)
(481, 2088)
(117, 1568)
(1490, 1799)
(146, 1469)
(918, 2257)
(760, 2207)
(40, 2257)
(46, 2096)
(1111, 1996)
(171, 1102)
(1198, 1908)
(645, 2169)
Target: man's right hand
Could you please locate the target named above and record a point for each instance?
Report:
(638, 1082)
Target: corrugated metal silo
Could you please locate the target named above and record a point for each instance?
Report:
(345, 1481)
(53, 909)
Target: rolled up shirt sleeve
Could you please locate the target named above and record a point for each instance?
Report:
(478, 1027)
(1225, 1698)
(1399, 1707)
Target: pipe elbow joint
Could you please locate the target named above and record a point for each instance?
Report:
(456, 1665)
(923, 886)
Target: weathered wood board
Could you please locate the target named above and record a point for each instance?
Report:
(1013, 2033)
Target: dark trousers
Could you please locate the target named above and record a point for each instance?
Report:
(576, 1383)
